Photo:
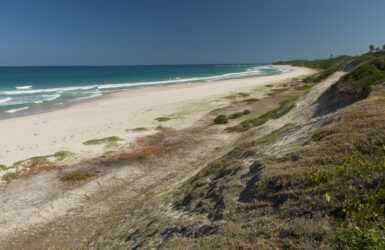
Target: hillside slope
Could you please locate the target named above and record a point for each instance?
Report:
(313, 178)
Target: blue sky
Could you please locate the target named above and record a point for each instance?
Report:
(114, 32)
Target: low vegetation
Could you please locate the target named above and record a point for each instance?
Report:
(221, 119)
(162, 119)
(303, 87)
(277, 91)
(106, 140)
(78, 175)
(284, 107)
(328, 194)
(10, 176)
(20, 168)
(139, 129)
(326, 66)
(250, 100)
(237, 95)
(142, 157)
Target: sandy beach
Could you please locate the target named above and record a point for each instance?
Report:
(116, 114)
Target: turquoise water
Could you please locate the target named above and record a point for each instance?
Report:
(26, 90)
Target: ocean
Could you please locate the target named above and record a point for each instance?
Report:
(30, 90)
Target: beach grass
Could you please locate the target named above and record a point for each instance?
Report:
(78, 175)
(139, 129)
(11, 176)
(237, 95)
(221, 119)
(142, 157)
(250, 100)
(277, 91)
(109, 140)
(43, 160)
(162, 119)
(284, 107)
(303, 87)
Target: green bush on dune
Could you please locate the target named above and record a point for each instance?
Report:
(221, 119)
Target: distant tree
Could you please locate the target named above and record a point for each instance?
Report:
(371, 48)
(378, 50)
(331, 56)
(383, 48)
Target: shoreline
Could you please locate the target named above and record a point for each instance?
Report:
(117, 113)
(33, 109)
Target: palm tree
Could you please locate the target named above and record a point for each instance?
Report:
(378, 50)
(383, 48)
(371, 48)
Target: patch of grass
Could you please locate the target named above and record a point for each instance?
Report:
(284, 107)
(62, 155)
(151, 193)
(3, 167)
(239, 114)
(303, 87)
(236, 115)
(42, 160)
(221, 119)
(250, 100)
(78, 175)
(277, 91)
(142, 157)
(237, 95)
(362, 208)
(243, 95)
(11, 176)
(140, 129)
(111, 139)
(269, 138)
(162, 119)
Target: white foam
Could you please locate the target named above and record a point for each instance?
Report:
(249, 72)
(16, 110)
(93, 95)
(34, 91)
(51, 97)
(24, 87)
(4, 100)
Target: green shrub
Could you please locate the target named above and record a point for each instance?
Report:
(78, 175)
(284, 107)
(112, 139)
(221, 119)
(303, 87)
(140, 129)
(236, 115)
(162, 119)
(10, 176)
(142, 157)
(246, 112)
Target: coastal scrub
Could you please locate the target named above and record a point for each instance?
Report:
(78, 175)
(109, 140)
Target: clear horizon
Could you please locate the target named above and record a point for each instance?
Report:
(170, 32)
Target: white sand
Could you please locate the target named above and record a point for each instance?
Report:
(112, 114)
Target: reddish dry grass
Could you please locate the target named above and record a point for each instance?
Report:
(39, 169)
(139, 147)
(147, 150)
(160, 128)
